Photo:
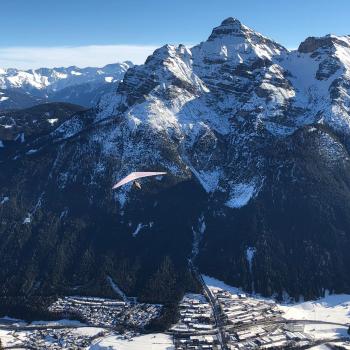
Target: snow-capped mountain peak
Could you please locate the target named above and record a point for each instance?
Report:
(229, 27)
(237, 84)
(235, 42)
(71, 84)
(255, 141)
(58, 78)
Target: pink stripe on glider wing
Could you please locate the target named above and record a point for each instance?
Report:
(135, 176)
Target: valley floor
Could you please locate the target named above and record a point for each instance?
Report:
(223, 317)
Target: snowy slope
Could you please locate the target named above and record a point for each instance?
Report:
(255, 141)
(333, 308)
(320, 74)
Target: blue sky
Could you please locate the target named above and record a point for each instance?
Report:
(133, 28)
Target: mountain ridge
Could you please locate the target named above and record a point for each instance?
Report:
(63, 84)
(255, 140)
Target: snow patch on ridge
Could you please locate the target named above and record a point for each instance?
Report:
(4, 200)
(52, 121)
(208, 179)
(241, 194)
(250, 252)
(27, 219)
(140, 226)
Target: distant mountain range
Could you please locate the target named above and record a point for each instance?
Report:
(255, 140)
(84, 86)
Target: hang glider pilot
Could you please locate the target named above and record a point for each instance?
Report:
(136, 185)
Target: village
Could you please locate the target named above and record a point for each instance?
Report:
(251, 323)
(247, 323)
(98, 318)
(218, 319)
(55, 339)
(196, 327)
(107, 313)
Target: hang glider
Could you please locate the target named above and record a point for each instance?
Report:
(135, 176)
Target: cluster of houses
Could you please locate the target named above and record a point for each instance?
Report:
(252, 323)
(107, 313)
(239, 309)
(267, 338)
(197, 342)
(55, 339)
(195, 329)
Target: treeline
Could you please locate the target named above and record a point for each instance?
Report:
(28, 308)
(167, 286)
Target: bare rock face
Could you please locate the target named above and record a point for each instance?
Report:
(312, 43)
(255, 141)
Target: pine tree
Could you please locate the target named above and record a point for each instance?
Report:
(1, 347)
(162, 286)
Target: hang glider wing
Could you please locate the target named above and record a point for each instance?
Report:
(135, 176)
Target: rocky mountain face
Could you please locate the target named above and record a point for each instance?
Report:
(255, 141)
(83, 86)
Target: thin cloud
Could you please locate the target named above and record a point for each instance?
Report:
(81, 56)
